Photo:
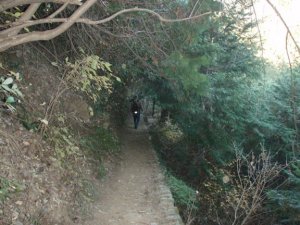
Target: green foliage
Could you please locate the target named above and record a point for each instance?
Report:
(170, 133)
(286, 200)
(13, 14)
(236, 108)
(90, 75)
(175, 153)
(85, 193)
(101, 171)
(282, 102)
(101, 143)
(9, 89)
(29, 119)
(117, 105)
(205, 76)
(63, 141)
(211, 89)
(219, 198)
(186, 80)
(286, 203)
(8, 187)
(184, 196)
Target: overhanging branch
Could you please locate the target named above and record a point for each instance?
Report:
(18, 25)
(7, 41)
(58, 11)
(285, 24)
(27, 15)
(7, 4)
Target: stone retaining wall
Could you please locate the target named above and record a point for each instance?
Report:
(170, 211)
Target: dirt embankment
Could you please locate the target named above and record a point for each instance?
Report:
(45, 178)
(35, 188)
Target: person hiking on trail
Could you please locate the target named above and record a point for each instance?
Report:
(136, 109)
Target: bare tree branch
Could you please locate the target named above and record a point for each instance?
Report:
(260, 37)
(6, 41)
(114, 35)
(285, 24)
(26, 16)
(7, 4)
(261, 171)
(139, 57)
(15, 29)
(293, 96)
(192, 12)
(151, 39)
(97, 22)
(58, 11)
(45, 35)
(30, 12)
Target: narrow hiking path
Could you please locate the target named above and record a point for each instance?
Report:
(132, 194)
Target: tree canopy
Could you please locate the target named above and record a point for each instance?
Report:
(228, 129)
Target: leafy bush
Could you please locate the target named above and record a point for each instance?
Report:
(63, 141)
(170, 132)
(89, 74)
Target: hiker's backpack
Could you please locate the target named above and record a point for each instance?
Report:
(135, 107)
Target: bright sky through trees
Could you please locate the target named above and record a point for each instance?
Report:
(272, 29)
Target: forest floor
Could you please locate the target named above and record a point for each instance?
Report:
(130, 194)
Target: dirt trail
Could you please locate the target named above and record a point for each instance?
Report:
(130, 195)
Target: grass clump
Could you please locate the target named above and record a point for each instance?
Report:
(184, 196)
(102, 142)
(101, 171)
(8, 187)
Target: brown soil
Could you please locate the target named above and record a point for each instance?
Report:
(37, 186)
(40, 192)
(52, 192)
(129, 195)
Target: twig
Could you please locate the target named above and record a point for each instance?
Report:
(58, 11)
(260, 37)
(293, 98)
(192, 12)
(29, 23)
(285, 24)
